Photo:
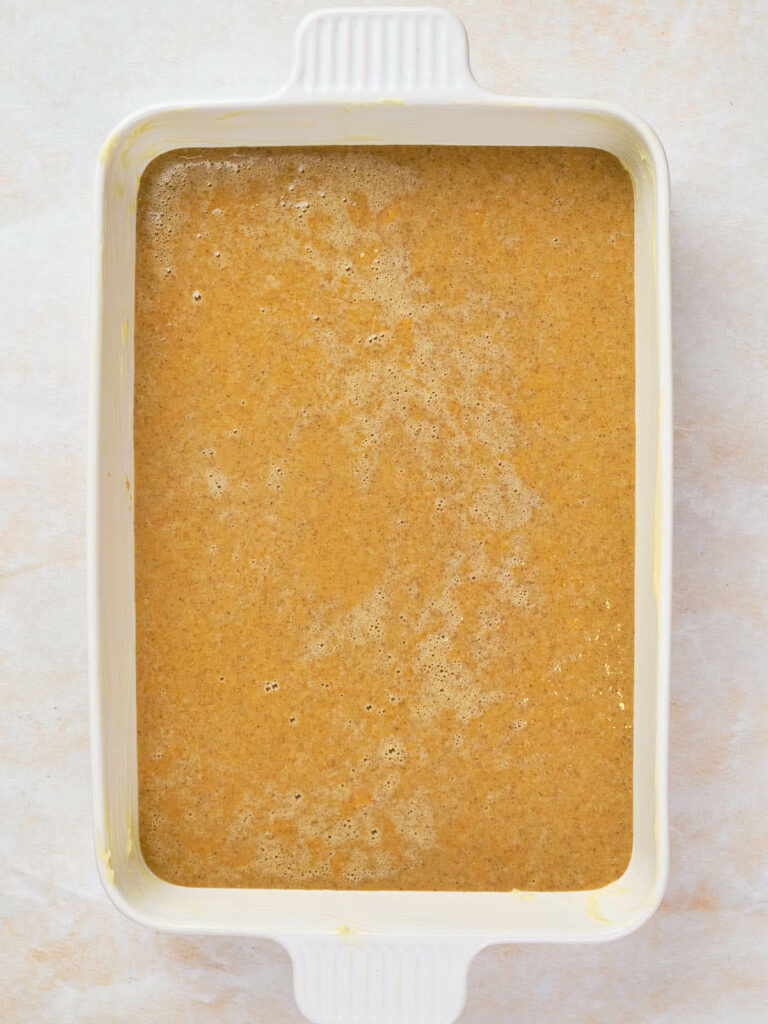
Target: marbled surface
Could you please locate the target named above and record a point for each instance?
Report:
(70, 70)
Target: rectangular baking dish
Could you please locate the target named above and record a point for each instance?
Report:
(366, 77)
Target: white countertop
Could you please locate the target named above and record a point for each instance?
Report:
(696, 72)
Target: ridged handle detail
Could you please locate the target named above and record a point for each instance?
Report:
(370, 981)
(381, 52)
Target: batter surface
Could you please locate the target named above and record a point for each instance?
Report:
(384, 517)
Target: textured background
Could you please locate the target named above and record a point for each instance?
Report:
(70, 70)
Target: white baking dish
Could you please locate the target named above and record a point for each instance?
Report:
(373, 76)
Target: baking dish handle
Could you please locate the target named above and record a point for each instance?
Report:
(381, 53)
(357, 978)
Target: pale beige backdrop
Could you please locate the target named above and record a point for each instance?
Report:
(696, 70)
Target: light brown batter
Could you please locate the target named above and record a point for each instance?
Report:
(384, 517)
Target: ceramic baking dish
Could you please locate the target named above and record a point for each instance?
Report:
(372, 76)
